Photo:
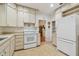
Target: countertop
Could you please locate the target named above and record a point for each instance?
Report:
(8, 36)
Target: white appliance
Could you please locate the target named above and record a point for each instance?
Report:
(67, 30)
(30, 38)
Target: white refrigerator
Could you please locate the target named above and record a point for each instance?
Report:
(67, 30)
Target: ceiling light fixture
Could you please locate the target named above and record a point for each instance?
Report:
(51, 5)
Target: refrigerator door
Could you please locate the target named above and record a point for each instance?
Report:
(67, 47)
(66, 28)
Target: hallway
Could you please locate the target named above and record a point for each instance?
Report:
(43, 50)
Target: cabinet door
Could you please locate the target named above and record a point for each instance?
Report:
(20, 19)
(11, 16)
(12, 44)
(26, 17)
(2, 53)
(6, 50)
(32, 16)
(2, 15)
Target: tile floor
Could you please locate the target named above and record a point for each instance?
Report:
(43, 50)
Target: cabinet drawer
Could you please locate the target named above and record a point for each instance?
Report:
(19, 33)
(19, 47)
(19, 37)
(19, 43)
(19, 40)
(6, 51)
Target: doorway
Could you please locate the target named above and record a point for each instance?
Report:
(54, 41)
(42, 31)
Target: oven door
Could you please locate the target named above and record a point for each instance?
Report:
(30, 37)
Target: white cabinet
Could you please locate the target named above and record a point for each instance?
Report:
(32, 16)
(20, 16)
(4, 49)
(1, 53)
(11, 16)
(26, 17)
(19, 41)
(7, 48)
(8, 15)
(3, 15)
(12, 45)
(29, 16)
(20, 21)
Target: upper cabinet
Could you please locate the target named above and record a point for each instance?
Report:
(26, 15)
(11, 15)
(3, 15)
(8, 15)
(29, 15)
(32, 16)
(15, 15)
(20, 16)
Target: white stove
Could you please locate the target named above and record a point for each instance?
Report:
(30, 38)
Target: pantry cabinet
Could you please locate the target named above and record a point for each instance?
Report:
(11, 15)
(20, 17)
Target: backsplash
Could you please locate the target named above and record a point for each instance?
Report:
(11, 30)
(0, 30)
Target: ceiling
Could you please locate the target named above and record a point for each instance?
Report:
(43, 7)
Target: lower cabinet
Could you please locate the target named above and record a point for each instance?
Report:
(4, 49)
(7, 48)
(19, 41)
(12, 46)
(2, 53)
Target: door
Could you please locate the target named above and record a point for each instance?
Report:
(42, 30)
(32, 16)
(3, 15)
(11, 16)
(20, 19)
(54, 41)
(26, 17)
(66, 28)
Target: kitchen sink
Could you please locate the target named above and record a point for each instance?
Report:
(2, 38)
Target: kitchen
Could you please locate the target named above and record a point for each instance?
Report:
(21, 35)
